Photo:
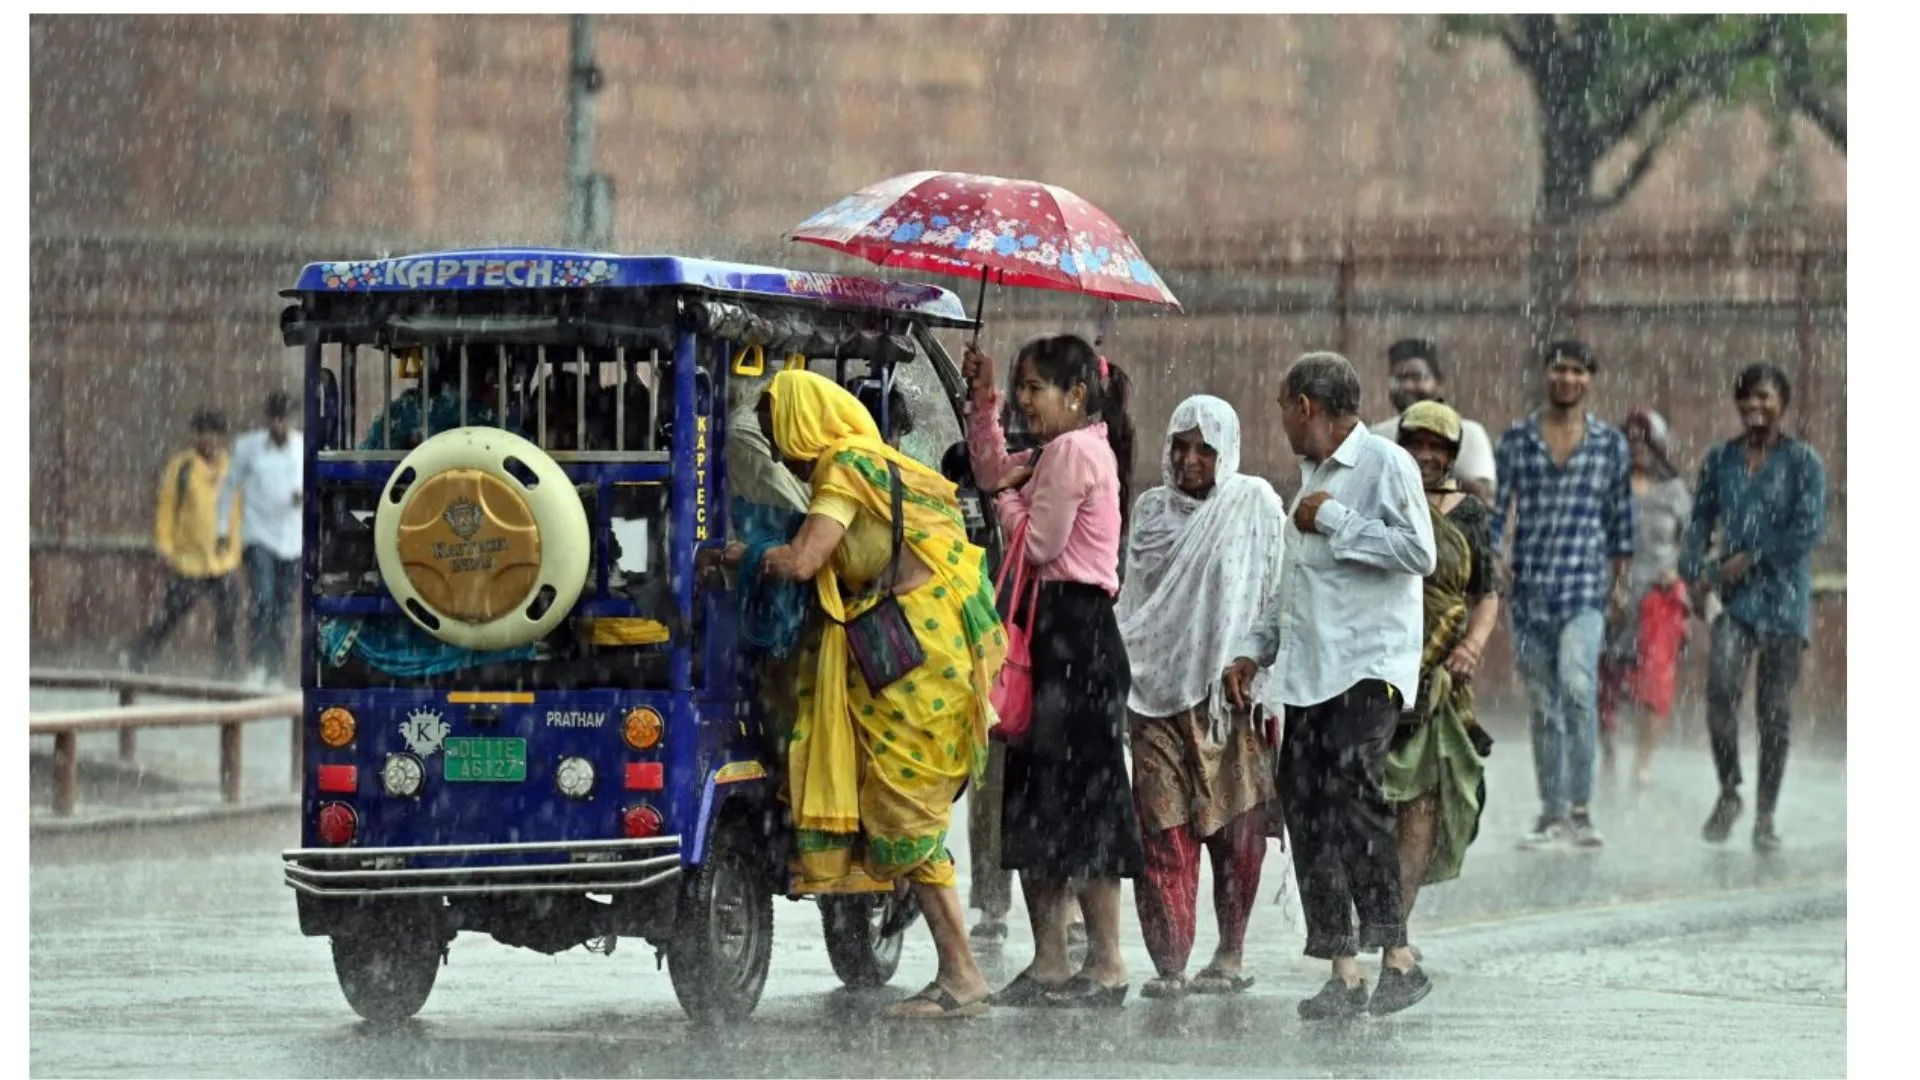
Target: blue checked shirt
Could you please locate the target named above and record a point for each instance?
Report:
(1572, 521)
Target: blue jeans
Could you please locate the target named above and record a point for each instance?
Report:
(1560, 666)
(271, 582)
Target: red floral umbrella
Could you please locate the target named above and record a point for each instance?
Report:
(1016, 232)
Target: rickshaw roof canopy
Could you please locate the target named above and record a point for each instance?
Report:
(521, 269)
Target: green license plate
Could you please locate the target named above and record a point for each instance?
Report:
(502, 760)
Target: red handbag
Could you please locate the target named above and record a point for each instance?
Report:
(1012, 695)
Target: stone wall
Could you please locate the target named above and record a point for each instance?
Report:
(723, 130)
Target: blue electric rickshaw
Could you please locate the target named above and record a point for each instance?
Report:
(525, 714)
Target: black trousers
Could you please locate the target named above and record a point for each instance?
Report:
(182, 594)
(1345, 849)
(271, 581)
(1776, 659)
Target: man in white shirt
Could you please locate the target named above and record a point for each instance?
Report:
(1415, 375)
(1343, 635)
(267, 473)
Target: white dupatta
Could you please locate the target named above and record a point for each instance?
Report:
(1199, 572)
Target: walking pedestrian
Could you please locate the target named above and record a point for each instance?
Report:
(1641, 663)
(1068, 818)
(1435, 778)
(1344, 636)
(1564, 474)
(198, 543)
(267, 476)
(1204, 552)
(1763, 496)
(1415, 374)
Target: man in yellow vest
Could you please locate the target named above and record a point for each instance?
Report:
(201, 550)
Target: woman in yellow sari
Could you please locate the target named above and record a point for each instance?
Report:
(872, 775)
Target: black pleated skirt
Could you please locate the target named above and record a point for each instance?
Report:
(1067, 810)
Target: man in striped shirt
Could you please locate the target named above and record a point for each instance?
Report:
(1564, 477)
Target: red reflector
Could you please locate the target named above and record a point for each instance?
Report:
(338, 824)
(646, 776)
(640, 822)
(340, 778)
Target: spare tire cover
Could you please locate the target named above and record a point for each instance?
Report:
(482, 539)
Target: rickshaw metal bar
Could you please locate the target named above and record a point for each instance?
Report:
(611, 457)
(580, 398)
(426, 395)
(463, 890)
(463, 384)
(500, 387)
(482, 849)
(349, 393)
(620, 400)
(653, 399)
(313, 359)
(423, 872)
(386, 390)
(540, 372)
(361, 455)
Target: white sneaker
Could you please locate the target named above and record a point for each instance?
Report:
(1547, 832)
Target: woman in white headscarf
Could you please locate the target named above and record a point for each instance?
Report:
(1202, 561)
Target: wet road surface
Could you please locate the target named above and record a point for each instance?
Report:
(174, 951)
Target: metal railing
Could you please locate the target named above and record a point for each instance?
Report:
(232, 706)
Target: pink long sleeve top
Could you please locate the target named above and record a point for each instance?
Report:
(1071, 506)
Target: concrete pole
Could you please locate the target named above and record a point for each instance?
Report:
(583, 81)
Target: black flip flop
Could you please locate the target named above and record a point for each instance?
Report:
(1024, 992)
(950, 1007)
(1082, 992)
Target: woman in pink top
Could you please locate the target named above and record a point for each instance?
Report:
(1068, 822)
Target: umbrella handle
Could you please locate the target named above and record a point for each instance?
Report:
(980, 307)
(1107, 311)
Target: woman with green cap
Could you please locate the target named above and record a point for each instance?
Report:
(1435, 777)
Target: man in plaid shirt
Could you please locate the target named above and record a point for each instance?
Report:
(1565, 476)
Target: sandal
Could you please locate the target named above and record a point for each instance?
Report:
(1166, 986)
(1024, 992)
(947, 1007)
(1219, 982)
(1083, 992)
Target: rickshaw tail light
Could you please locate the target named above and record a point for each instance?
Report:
(640, 822)
(643, 728)
(646, 776)
(339, 779)
(337, 727)
(338, 824)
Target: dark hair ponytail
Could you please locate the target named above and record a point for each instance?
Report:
(1068, 360)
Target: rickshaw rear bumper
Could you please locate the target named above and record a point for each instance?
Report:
(448, 870)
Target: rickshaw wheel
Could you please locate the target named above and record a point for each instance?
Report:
(386, 963)
(863, 951)
(723, 934)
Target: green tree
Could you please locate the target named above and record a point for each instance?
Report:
(1624, 84)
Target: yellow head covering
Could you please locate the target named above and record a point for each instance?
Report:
(813, 417)
(1436, 417)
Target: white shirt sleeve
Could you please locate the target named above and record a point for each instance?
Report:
(1476, 454)
(1401, 538)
